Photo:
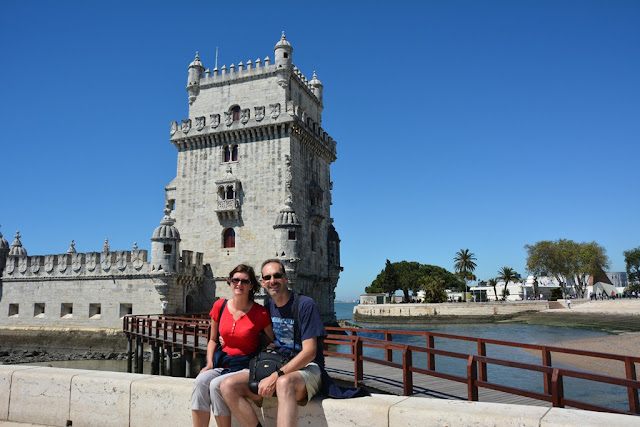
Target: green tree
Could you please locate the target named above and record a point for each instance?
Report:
(493, 282)
(589, 260)
(507, 274)
(564, 259)
(465, 265)
(632, 260)
(386, 282)
(407, 275)
(433, 288)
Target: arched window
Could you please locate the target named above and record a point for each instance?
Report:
(229, 192)
(236, 113)
(221, 193)
(227, 153)
(234, 153)
(229, 239)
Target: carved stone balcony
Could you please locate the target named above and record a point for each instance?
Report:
(228, 209)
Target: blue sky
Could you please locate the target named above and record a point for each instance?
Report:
(484, 125)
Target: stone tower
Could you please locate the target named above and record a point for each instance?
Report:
(253, 176)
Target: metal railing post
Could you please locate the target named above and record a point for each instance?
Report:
(388, 353)
(472, 376)
(546, 361)
(431, 358)
(358, 364)
(482, 369)
(557, 389)
(407, 375)
(630, 368)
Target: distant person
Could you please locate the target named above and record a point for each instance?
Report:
(569, 303)
(239, 322)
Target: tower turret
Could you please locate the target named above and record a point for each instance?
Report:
(165, 245)
(316, 87)
(196, 69)
(16, 247)
(283, 51)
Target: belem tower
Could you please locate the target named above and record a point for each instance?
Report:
(253, 182)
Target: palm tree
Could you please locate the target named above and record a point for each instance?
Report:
(493, 282)
(507, 275)
(464, 265)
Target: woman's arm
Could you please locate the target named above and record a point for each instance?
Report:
(211, 346)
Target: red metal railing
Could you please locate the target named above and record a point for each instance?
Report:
(191, 333)
(476, 375)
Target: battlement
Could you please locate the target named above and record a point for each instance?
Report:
(219, 126)
(94, 264)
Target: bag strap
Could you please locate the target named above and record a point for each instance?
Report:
(295, 321)
(224, 304)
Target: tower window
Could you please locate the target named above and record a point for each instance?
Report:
(229, 238)
(229, 193)
(313, 242)
(234, 153)
(292, 234)
(227, 153)
(236, 113)
(167, 249)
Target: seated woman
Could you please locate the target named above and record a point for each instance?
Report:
(239, 325)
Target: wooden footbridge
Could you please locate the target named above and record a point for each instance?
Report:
(346, 360)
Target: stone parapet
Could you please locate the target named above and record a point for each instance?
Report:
(61, 397)
(91, 265)
(441, 311)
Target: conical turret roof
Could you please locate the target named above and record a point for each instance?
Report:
(16, 246)
(166, 230)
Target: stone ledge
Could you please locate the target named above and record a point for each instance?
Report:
(35, 395)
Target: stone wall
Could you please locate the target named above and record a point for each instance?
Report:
(62, 397)
(439, 312)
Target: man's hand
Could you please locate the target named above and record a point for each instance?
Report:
(267, 386)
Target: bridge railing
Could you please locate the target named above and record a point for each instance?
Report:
(476, 373)
(189, 334)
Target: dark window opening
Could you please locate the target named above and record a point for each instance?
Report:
(236, 113)
(313, 242)
(286, 55)
(227, 153)
(167, 249)
(229, 193)
(229, 238)
(292, 234)
(234, 153)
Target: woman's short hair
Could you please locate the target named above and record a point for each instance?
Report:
(243, 268)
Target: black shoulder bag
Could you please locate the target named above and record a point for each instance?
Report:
(269, 360)
(219, 354)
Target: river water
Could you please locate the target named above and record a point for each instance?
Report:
(611, 396)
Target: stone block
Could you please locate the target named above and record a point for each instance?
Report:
(372, 411)
(6, 372)
(161, 401)
(311, 414)
(101, 398)
(559, 417)
(421, 411)
(41, 395)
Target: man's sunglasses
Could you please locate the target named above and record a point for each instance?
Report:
(235, 281)
(275, 276)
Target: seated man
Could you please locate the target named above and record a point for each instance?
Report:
(298, 380)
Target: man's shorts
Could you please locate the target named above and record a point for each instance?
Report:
(312, 376)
